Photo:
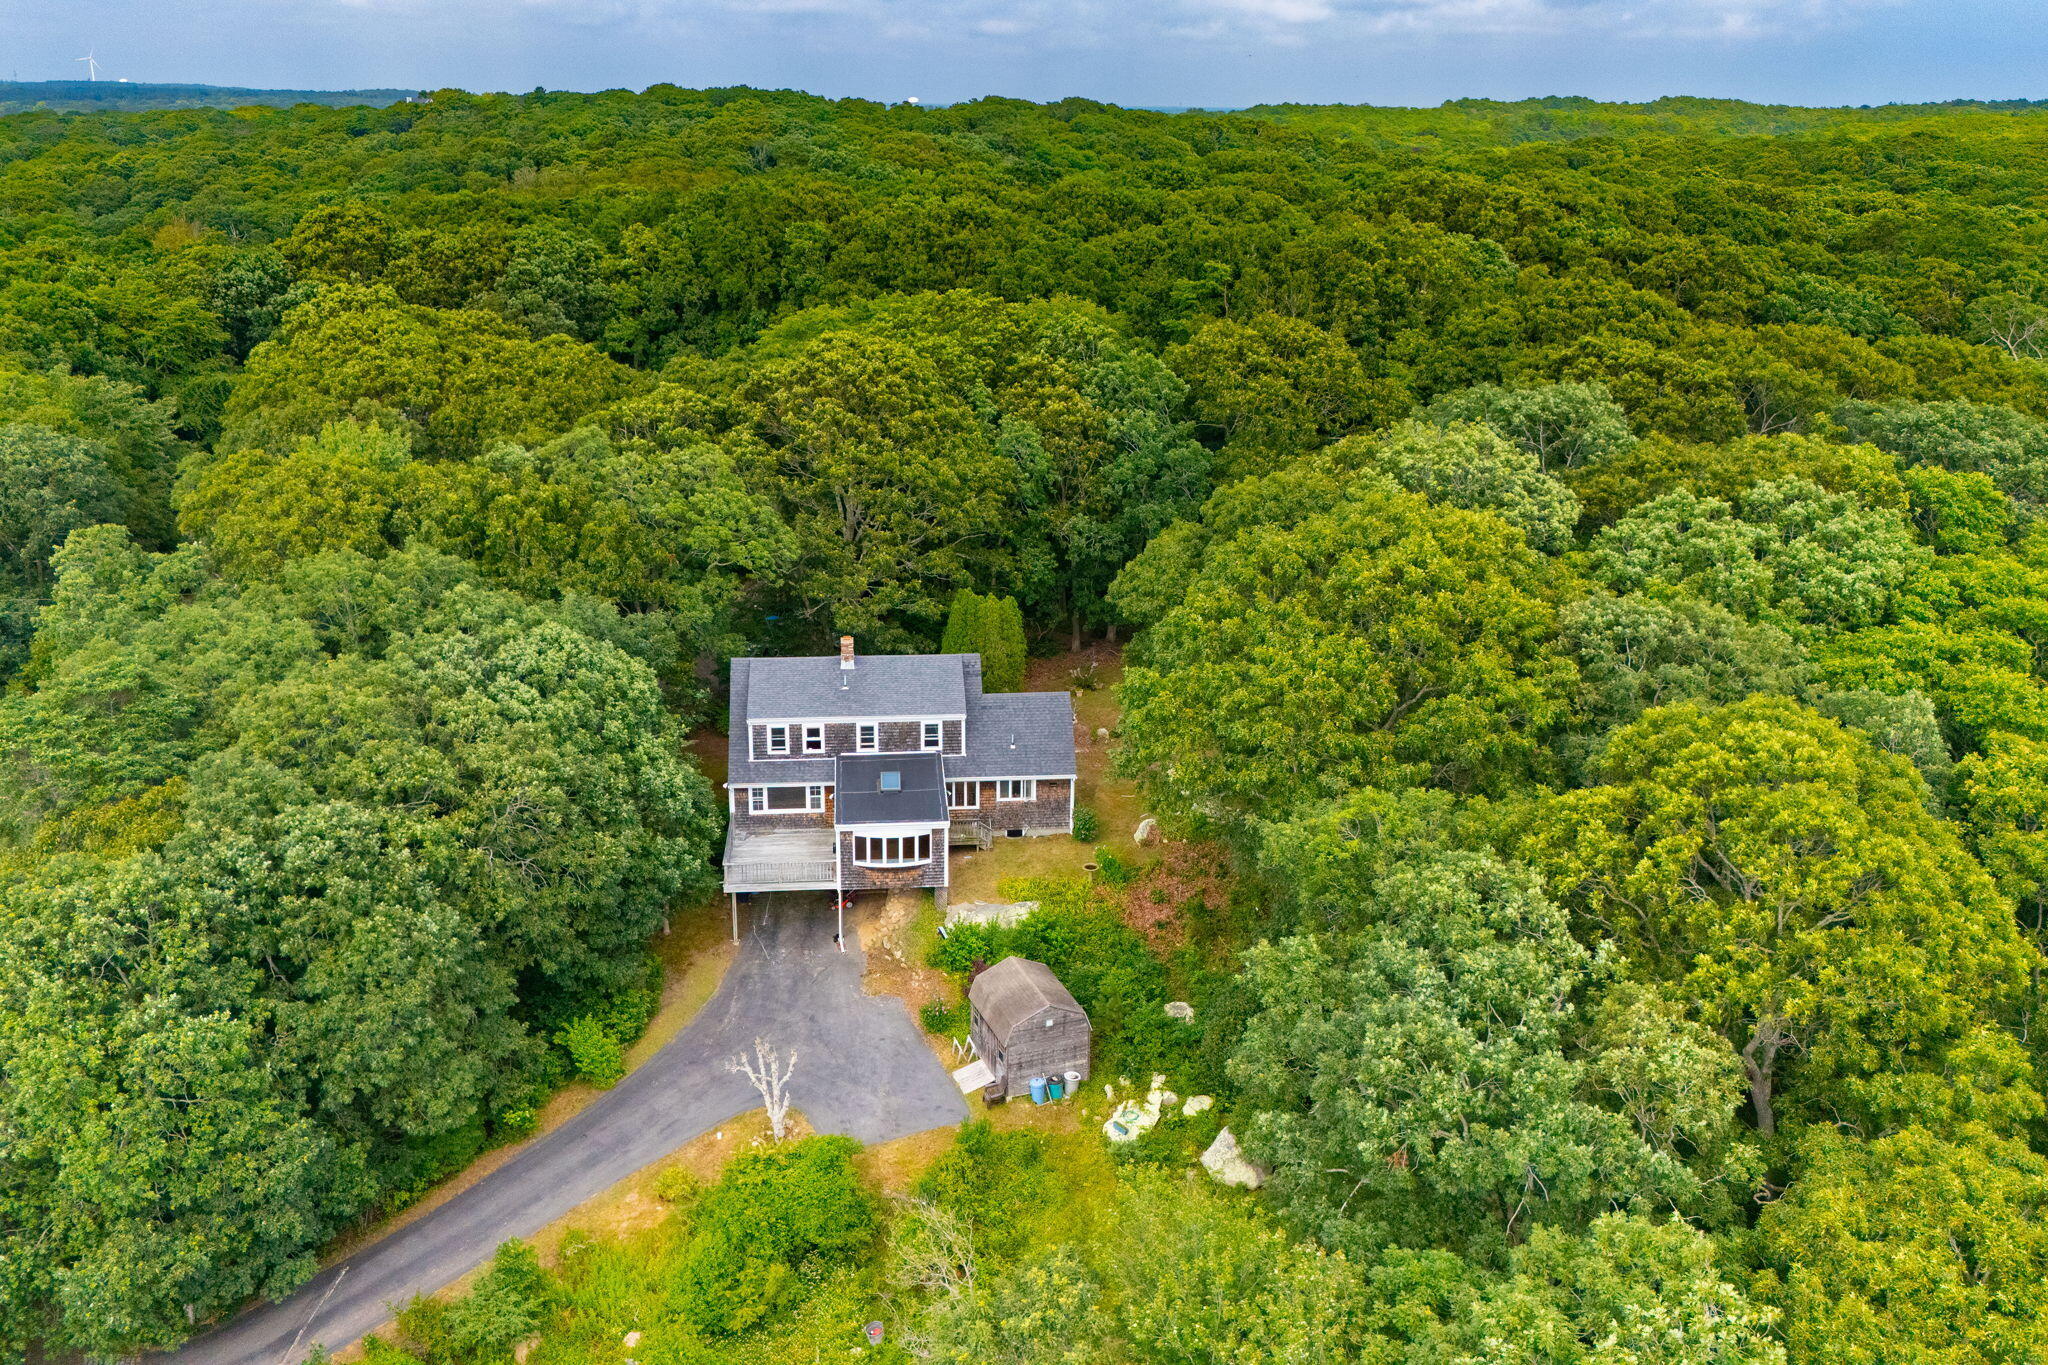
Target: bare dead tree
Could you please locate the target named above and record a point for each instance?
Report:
(935, 1251)
(770, 1075)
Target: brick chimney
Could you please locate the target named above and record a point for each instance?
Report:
(846, 651)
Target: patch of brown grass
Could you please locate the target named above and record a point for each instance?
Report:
(631, 1205)
(1185, 876)
(893, 1167)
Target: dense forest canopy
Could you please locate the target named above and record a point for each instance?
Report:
(103, 94)
(1585, 569)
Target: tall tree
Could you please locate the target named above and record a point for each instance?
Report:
(1386, 641)
(1410, 1085)
(1791, 885)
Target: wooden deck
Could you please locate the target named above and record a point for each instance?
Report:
(784, 860)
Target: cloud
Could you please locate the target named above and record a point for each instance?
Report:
(1670, 19)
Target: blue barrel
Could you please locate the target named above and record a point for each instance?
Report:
(1052, 1088)
(1038, 1094)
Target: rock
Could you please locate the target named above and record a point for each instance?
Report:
(1196, 1104)
(1147, 833)
(525, 1349)
(1006, 914)
(1129, 1121)
(1179, 1009)
(631, 1339)
(1225, 1160)
(1101, 734)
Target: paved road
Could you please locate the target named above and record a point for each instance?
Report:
(863, 1070)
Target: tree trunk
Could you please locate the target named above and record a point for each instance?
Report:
(1759, 1061)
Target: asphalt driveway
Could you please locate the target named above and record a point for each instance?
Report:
(863, 1069)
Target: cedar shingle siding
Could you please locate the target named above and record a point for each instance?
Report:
(856, 878)
(1046, 813)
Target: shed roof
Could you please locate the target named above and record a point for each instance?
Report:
(1016, 988)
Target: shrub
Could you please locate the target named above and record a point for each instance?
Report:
(941, 1018)
(1102, 960)
(678, 1186)
(418, 1164)
(507, 1304)
(773, 1209)
(1115, 871)
(989, 1179)
(1086, 826)
(599, 1058)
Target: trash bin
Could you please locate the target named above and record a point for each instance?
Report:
(1038, 1090)
(1073, 1079)
(1054, 1090)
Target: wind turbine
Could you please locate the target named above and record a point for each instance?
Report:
(92, 67)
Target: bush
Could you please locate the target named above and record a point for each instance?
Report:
(507, 1304)
(418, 1164)
(941, 1018)
(992, 1181)
(678, 1187)
(1115, 871)
(773, 1209)
(1102, 960)
(1086, 826)
(599, 1058)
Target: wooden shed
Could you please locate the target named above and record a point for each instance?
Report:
(1025, 1023)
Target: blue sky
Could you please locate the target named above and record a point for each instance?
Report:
(1159, 52)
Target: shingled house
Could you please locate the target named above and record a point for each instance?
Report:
(863, 773)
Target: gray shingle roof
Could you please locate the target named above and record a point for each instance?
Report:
(1013, 990)
(1017, 734)
(1009, 734)
(919, 797)
(877, 685)
(741, 767)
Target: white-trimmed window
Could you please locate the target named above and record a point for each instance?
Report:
(778, 739)
(893, 850)
(934, 736)
(814, 739)
(762, 800)
(867, 737)
(963, 796)
(1016, 789)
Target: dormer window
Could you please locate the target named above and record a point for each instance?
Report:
(934, 736)
(814, 739)
(867, 737)
(778, 739)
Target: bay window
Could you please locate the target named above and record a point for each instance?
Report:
(891, 850)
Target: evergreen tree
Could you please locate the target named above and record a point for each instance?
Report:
(963, 624)
(1002, 645)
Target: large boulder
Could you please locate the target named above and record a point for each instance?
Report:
(1226, 1161)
